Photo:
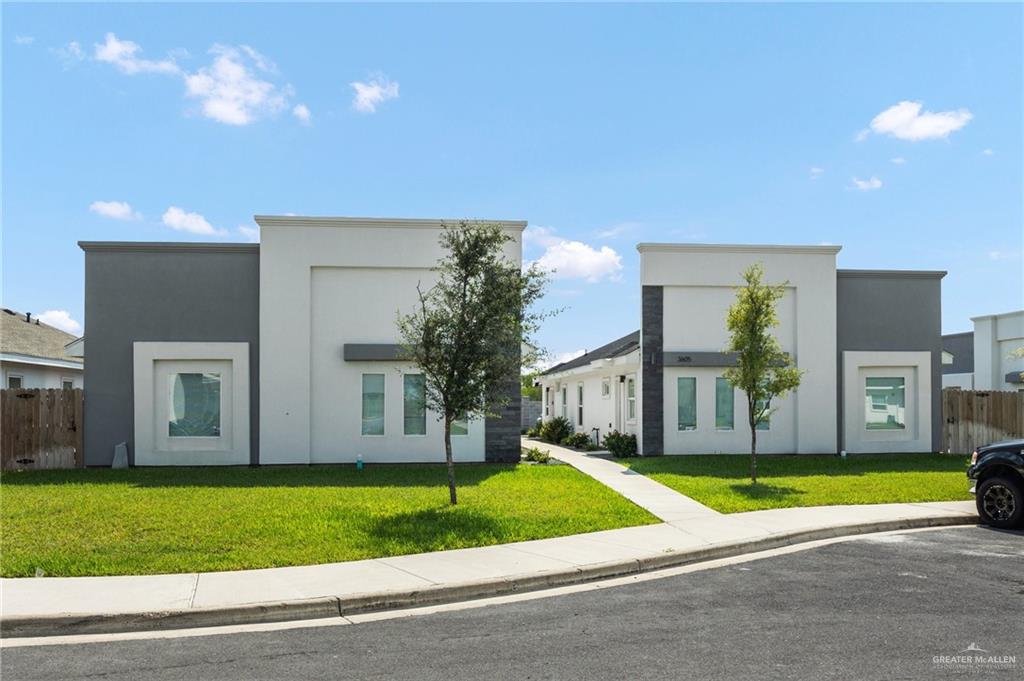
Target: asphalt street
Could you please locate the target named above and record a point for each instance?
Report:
(889, 607)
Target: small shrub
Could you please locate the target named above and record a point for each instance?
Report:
(555, 430)
(577, 441)
(538, 455)
(533, 431)
(620, 444)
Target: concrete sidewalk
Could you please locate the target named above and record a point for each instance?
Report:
(661, 501)
(76, 605)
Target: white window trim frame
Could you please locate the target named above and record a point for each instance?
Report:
(717, 429)
(606, 381)
(631, 420)
(146, 354)
(384, 430)
(18, 376)
(696, 410)
(67, 379)
(426, 411)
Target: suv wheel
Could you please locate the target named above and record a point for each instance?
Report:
(1000, 502)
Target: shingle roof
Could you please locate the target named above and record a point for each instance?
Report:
(617, 348)
(34, 338)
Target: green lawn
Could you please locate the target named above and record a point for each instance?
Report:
(723, 481)
(147, 521)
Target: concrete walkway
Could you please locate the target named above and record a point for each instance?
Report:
(661, 501)
(73, 605)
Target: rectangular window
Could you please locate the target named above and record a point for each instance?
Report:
(373, 404)
(14, 382)
(606, 388)
(724, 404)
(414, 389)
(579, 404)
(547, 401)
(460, 426)
(565, 402)
(194, 405)
(67, 383)
(765, 422)
(885, 404)
(631, 399)
(686, 392)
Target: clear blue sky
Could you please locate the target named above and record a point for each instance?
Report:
(602, 125)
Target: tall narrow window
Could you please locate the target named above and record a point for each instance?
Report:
(631, 399)
(460, 426)
(373, 404)
(686, 391)
(547, 401)
(606, 388)
(765, 422)
(565, 402)
(579, 404)
(724, 403)
(885, 404)
(195, 405)
(414, 404)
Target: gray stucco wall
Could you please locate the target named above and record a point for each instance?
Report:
(161, 292)
(899, 311)
(652, 346)
(961, 346)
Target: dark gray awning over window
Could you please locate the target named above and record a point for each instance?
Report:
(700, 359)
(371, 352)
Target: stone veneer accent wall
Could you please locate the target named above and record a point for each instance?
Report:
(652, 346)
(501, 435)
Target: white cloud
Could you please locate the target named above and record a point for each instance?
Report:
(867, 185)
(899, 160)
(1003, 255)
(573, 259)
(193, 223)
(369, 95)
(988, 152)
(301, 111)
(618, 230)
(123, 54)
(229, 90)
(558, 358)
(863, 135)
(61, 319)
(70, 53)
(906, 121)
(118, 210)
(250, 233)
(816, 172)
(24, 39)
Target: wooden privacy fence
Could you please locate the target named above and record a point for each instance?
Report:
(972, 418)
(40, 428)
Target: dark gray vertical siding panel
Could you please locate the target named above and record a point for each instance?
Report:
(652, 370)
(501, 435)
(897, 311)
(163, 294)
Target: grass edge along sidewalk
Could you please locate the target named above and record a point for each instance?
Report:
(722, 481)
(153, 521)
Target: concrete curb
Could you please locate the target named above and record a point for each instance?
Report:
(71, 624)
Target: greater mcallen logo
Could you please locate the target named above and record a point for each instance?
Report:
(975, 658)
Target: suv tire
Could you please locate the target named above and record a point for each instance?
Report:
(1000, 502)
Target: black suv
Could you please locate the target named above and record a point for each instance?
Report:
(998, 474)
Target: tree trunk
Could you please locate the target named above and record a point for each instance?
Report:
(448, 459)
(753, 454)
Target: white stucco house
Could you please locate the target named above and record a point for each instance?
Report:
(34, 354)
(986, 358)
(868, 341)
(282, 352)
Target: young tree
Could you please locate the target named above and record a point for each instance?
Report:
(763, 371)
(472, 331)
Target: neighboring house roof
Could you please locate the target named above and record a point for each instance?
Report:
(617, 348)
(27, 339)
(961, 346)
